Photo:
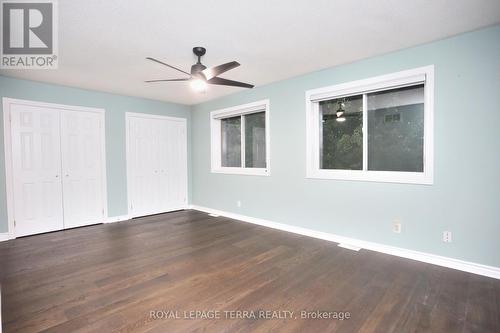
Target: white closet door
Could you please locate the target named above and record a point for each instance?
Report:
(36, 164)
(176, 164)
(141, 159)
(160, 170)
(82, 172)
(157, 164)
(148, 135)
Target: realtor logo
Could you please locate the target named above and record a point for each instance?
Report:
(29, 34)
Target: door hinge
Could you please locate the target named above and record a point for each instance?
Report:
(14, 223)
(103, 211)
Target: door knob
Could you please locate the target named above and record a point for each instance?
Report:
(57, 176)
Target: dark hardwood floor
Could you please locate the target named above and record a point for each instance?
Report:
(108, 278)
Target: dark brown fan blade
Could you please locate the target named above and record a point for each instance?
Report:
(167, 80)
(161, 62)
(212, 72)
(224, 82)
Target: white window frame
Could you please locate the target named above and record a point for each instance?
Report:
(415, 76)
(215, 129)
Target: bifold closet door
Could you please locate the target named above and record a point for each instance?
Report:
(82, 174)
(157, 164)
(36, 166)
(141, 165)
(176, 164)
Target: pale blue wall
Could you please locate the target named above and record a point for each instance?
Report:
(115, 106)
(465, 197)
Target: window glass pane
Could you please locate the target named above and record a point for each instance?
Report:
(231, 142)
(341, 136)
(396, 129)
(255, 140)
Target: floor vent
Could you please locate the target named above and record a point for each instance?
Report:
(213, 215)
(349, 247)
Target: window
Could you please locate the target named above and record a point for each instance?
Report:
(342, 141)
(231, 142)
(240, 139)
(378, 129)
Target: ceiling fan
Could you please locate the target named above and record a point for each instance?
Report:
(341, 113)
(200, 75)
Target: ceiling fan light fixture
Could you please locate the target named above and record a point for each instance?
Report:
(340, 111)
(340, 119)
(198, 85)
(201, 76)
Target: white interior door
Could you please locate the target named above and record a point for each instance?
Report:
(159, 188)
(140, 166)
(176, 164)
(157, 164)
(82, 172)
(162, 167)
(36, 164)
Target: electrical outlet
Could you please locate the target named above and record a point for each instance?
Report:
(396, 226)
(447, 236)
(238, 203)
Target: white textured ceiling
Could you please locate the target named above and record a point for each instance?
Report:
(103, 44)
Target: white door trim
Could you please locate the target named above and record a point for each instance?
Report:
(153, 116)
(129, 115)
(6, 104)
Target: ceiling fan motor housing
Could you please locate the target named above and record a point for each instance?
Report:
(196, 68)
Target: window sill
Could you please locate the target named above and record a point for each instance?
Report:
(243, 171)
(373, 176)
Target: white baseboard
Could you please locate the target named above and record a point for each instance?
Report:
(5, 236)
(461, 265)
(112, 219)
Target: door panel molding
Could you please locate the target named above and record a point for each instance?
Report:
(7, 103)
(82, 178)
